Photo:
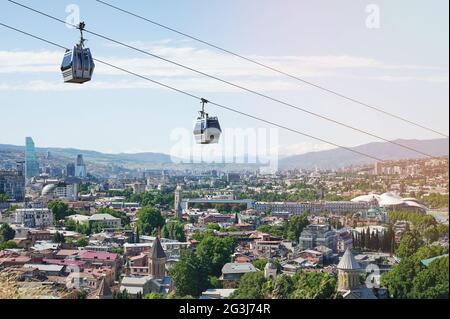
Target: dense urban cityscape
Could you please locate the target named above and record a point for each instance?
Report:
(353, 233)
(211, 159)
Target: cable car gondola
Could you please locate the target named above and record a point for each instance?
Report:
(78, 64)
(207, 129)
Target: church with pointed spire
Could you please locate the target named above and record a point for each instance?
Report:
(157, 260)
(154, 278)
(349, 284)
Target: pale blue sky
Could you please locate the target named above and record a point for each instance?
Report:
(401, 67)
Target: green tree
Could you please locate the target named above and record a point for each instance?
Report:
(122, 295)
(149, 219)
(399, 280)
(409, 244)
(432, 282)
(82, 242)
(281, 287)
(153, 198)
(137, 238)
(59, 238)
(60, 210)
(442, 230)
(174, 230)
(82, 294)
(260, 264)
(70, 225)
(431, 234)
(8, 245)
(251, 286)
(153, 295)
(190, 275)
(6, 233)
(213, 226)
(436, 200)
(3, 198)
(214, 252)
(313, 285)
(200, 235)
(117, 250)
(426, 252)
(278, 231)
(215, 282)
(83, 228)
(295, 226)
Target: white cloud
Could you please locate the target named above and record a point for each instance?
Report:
(192, 85)
(432, 78)
(45, 86)
(215, 63)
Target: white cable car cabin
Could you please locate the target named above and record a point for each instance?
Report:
(207, 129)
(78, 64)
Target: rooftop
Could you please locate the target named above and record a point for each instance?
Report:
(217, 293)
(238, 268)
(98, 255)
(134, 281)
(348, 261)
(157, 250)
(100, 217)
(427, 262)
(43, 267)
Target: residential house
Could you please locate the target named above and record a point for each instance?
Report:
(232, 273)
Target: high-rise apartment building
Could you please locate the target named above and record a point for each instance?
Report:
(318, 235)
(12, 183)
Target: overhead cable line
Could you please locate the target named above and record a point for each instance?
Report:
(200, 98)
(230, 83)
(346, 97)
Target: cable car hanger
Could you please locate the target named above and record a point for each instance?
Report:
(78, 64)
(81, 27)
(203, 114)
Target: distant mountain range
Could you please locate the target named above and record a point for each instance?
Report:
(338, 158)
(96, 157)
(330, 159)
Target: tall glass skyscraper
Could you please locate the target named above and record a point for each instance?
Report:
(70, 170)
(80, 169)
(31, 163)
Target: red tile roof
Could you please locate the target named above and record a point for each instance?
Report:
(15, 259)
(94, 255)
(64, 262)
(242, 259)
(67, 252)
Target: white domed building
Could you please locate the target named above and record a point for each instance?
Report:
(391, 202)
(60, 190)
(49, 191)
